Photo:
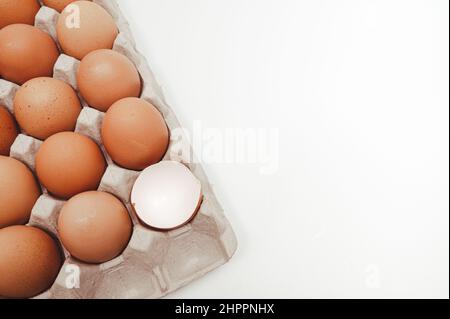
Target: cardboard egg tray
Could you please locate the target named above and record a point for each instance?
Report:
(155, 263)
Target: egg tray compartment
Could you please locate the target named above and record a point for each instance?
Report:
(154, 263)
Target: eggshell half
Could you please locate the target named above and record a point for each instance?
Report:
(166, 195)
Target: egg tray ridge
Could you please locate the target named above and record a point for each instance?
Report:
(155, 263)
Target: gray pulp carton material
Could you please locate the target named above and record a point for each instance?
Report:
(155, 263)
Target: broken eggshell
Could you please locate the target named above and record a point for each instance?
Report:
(166, 196)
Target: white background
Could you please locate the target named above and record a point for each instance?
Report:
(359, 92)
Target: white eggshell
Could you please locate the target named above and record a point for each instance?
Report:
(166, 195)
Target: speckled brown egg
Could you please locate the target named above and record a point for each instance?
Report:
(46, 106)
(25, 53)
(18, 11)
(69, 163)
(8, 131)
(58, 5)
(135, 134)
(108, 72)
(30, 261)
(94, 227)
(19, 192)
(87, 28)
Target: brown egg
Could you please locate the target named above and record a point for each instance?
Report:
(108, 72)
(46, 106)
(25, 53)
(58, 5)
(135, 134)
(18, 11)
(19, 192)
(85, 30)
(8, 131)
(94, 227)
(30, 261)
(69, 163)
